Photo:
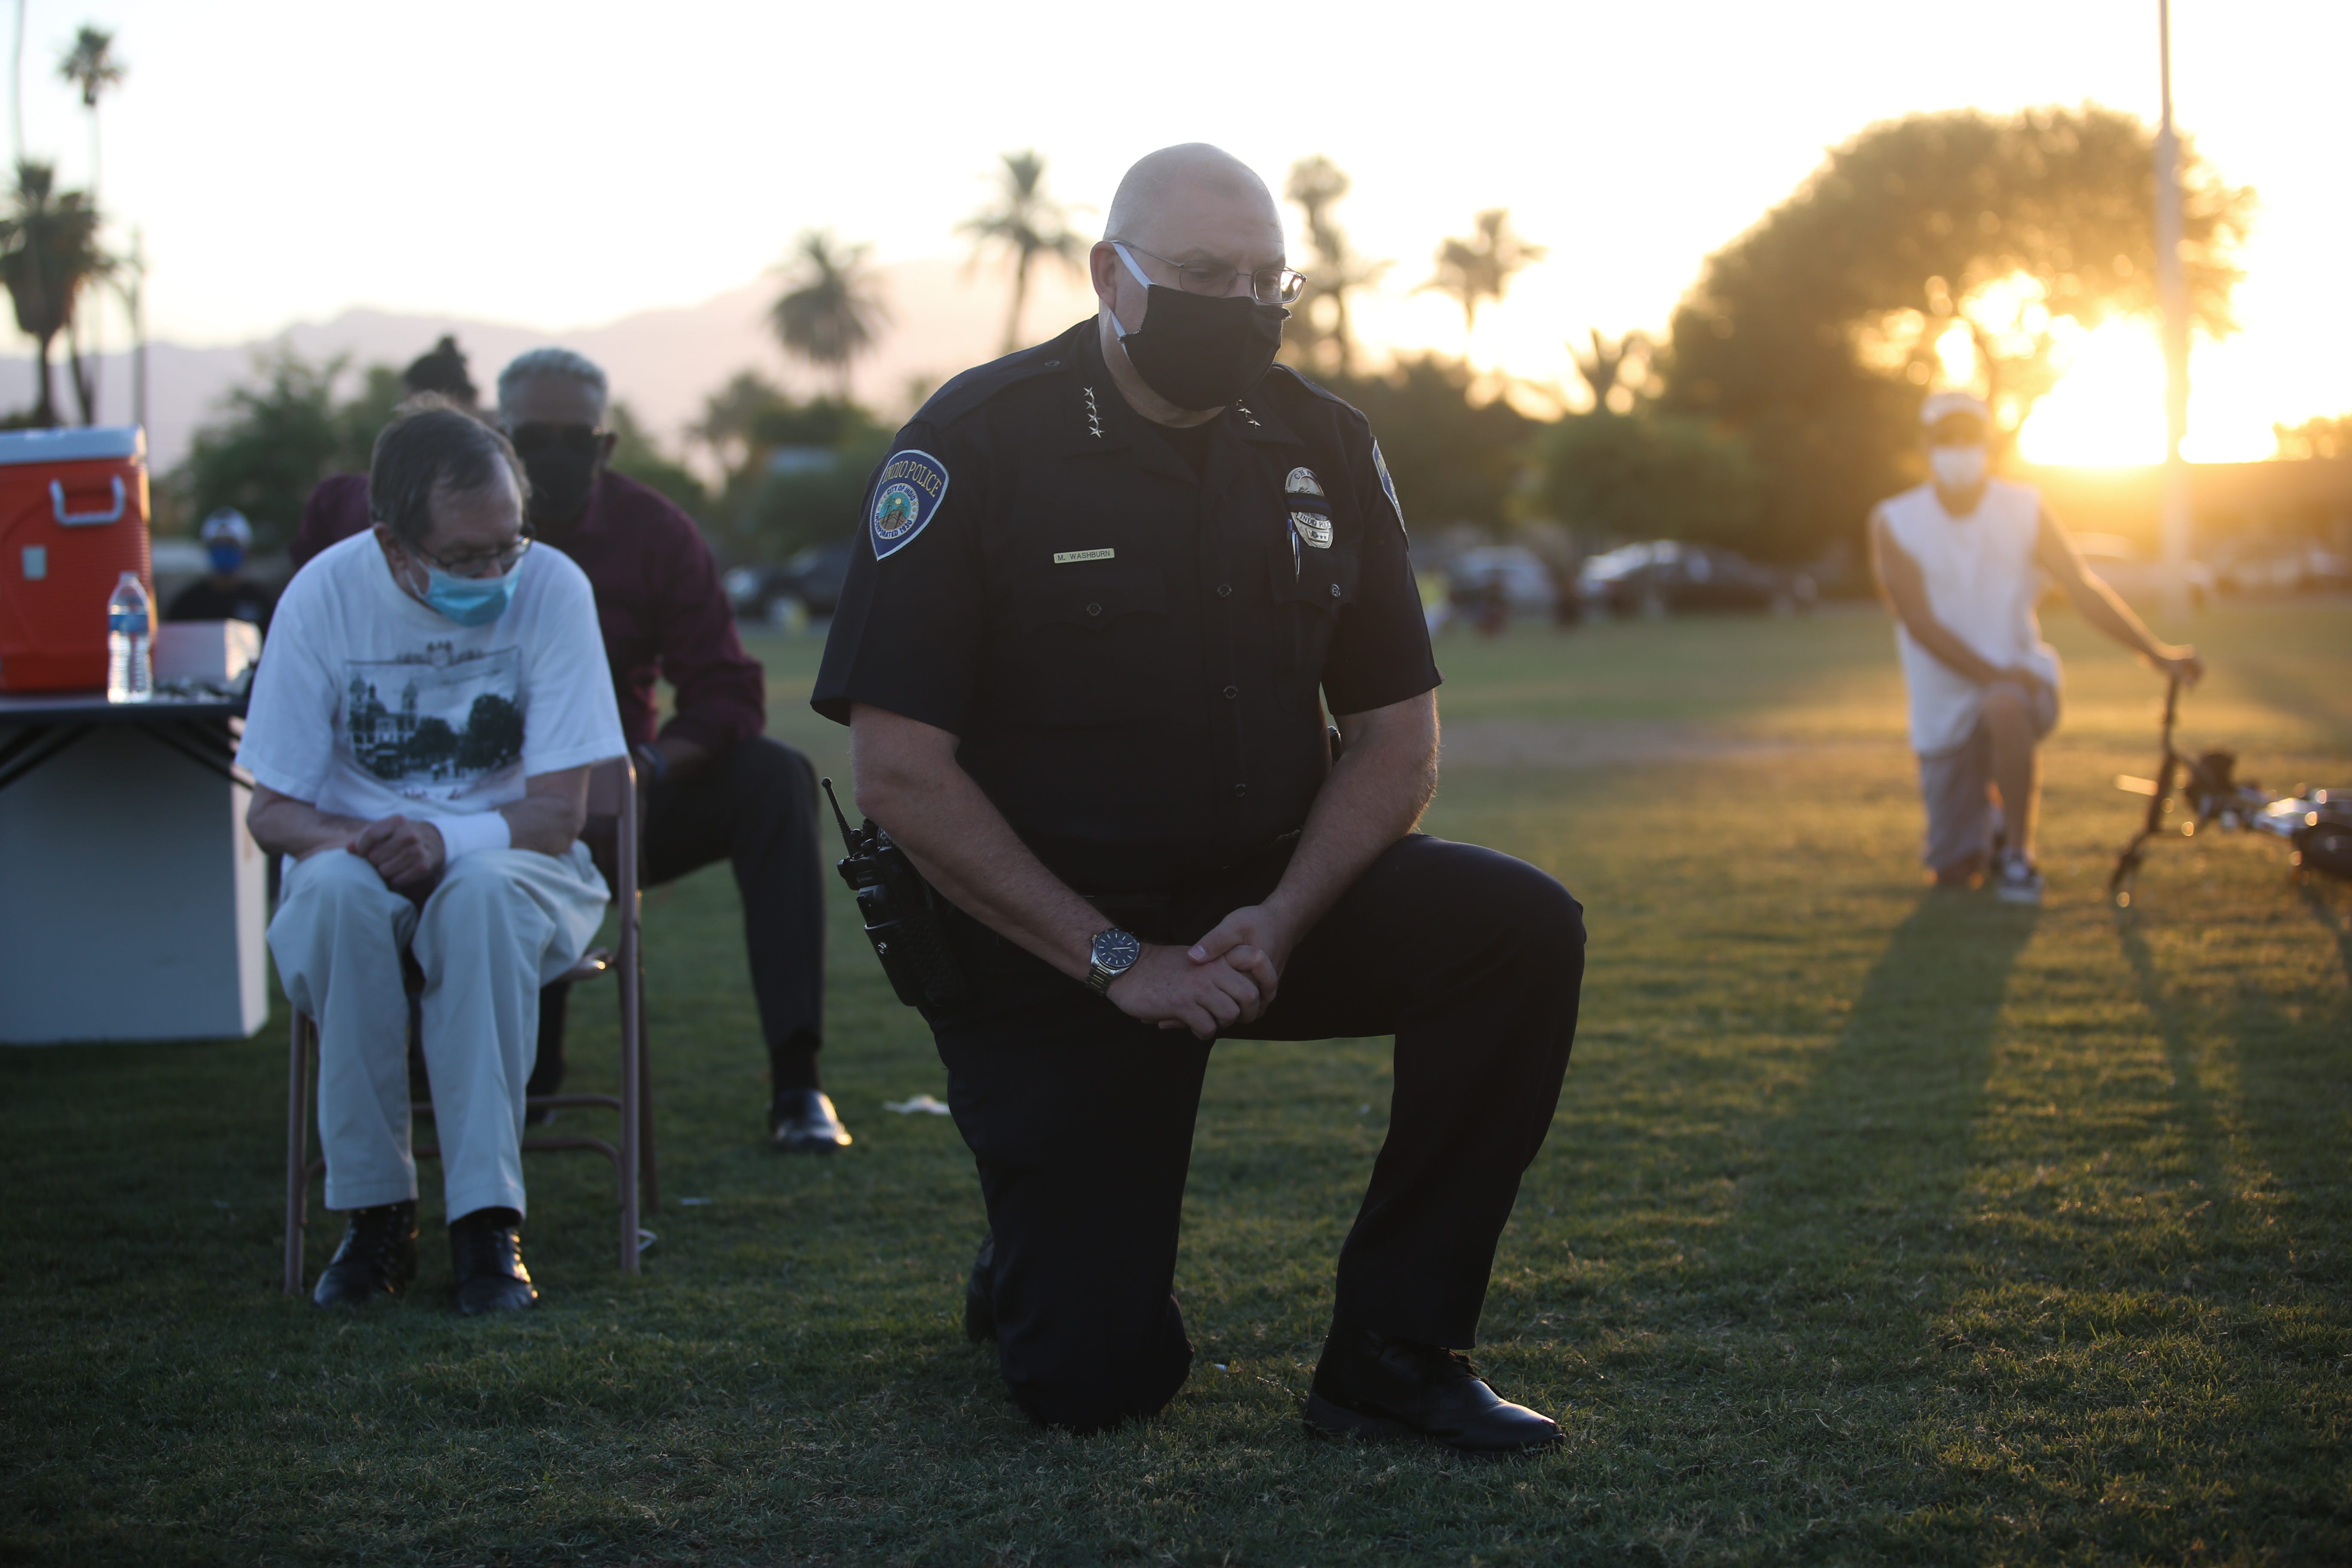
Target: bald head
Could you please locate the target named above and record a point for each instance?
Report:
(1171, 196)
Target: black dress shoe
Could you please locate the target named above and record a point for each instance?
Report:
(1373, 1386)
(980, 1295)
(801, 1122)
(486, 1254)
(377, 1257)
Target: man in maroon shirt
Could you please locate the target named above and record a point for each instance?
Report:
(720, 788)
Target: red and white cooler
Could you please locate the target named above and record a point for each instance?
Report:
(73, 519)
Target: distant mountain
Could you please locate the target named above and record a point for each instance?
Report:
(662, 363)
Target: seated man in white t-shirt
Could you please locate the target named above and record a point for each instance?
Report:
(420, 736)
(1961, 560)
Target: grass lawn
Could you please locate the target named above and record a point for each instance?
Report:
(1876, 1225)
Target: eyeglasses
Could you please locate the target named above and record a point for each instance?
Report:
(1268, 284)
(480, 564)
(582, 439)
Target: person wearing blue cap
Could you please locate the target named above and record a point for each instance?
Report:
(224, 593)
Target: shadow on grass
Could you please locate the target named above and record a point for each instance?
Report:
(2291, 1046)
(1875, 1151)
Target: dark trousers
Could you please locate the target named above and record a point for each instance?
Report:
(756, 805)
(1080, 1118)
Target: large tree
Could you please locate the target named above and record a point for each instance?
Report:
(833, 306)
(1320, 335)
(1815, 333)
(1028, 226)
(49, 257)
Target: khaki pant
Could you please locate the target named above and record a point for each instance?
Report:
(498, 925)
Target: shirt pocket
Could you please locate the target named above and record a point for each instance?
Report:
(1307, 606)
(1090, 646)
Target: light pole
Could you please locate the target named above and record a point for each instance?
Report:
(2172, 296)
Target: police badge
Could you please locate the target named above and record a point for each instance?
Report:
(1310, 514)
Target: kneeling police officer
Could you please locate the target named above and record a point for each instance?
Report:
(1110, 581)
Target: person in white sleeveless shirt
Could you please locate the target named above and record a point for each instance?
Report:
(1960, 561)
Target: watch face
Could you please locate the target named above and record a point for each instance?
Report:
(1117, 951)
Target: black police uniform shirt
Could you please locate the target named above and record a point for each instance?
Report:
(1132, 656)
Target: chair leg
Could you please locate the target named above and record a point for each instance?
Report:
(651, 1163)
(297, 1147)
(632, 978)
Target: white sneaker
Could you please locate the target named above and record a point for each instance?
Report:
(2017, 882)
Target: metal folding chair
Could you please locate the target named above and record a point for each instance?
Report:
(612, 785)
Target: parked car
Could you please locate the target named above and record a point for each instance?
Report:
(810, 580)
(1666, 574)
(2118, 562)
(2280, 566)
(1494, 583)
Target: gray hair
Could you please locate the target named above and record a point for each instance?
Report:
(433, 446)
(564, 362)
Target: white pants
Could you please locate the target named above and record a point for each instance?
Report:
(501, 925)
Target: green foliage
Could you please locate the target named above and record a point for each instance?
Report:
(795, 471)
(1453, 460)
(270, 442)
(638, 455)
(1618, 478)
(1815, 333)
(1875, 1226)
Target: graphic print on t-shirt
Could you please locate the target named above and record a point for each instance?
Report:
(435, 725)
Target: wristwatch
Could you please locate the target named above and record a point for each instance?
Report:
(1114, 953)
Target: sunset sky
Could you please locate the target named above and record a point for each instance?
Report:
(559, 166)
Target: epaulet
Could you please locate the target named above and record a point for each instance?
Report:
(968, 391)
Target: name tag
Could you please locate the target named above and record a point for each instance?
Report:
(1064, 557)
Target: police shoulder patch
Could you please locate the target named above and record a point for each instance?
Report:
(907, 495)
(1380, 466)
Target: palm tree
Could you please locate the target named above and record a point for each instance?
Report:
(91, 66)
(1611, 365)
(48, 256)
(1316, 184)
(1027, 223)
(833, 308)
(1481, 268)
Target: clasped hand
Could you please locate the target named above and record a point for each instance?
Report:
(1228, 977)
(404, 853)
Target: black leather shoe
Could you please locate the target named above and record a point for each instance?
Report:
(980, 1295)
(801, 1122)
(377, 1257)
(1370, 1385)
(486, 1254)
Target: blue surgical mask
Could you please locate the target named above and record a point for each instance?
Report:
(470, 601)
(225, 556)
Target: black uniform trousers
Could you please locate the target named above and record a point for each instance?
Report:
(1080, 1118)
(755, 805)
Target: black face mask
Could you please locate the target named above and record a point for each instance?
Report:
(1202, 353)
(562, 479)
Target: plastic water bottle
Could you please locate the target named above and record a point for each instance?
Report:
(129, 671)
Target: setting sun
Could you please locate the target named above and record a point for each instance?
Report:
(2108, 409)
